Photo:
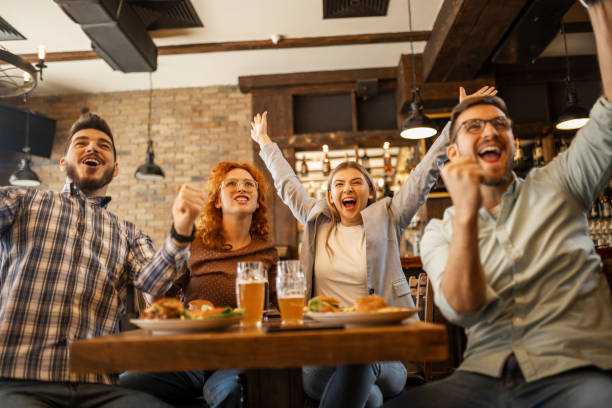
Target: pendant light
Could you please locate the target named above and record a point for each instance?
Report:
(149, 170)
(417, 125)
(573, 116)
(24, 176)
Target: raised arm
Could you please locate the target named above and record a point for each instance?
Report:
(289, 188)
(154, 272)
(416, 188)
(586, 167)
(601, 20)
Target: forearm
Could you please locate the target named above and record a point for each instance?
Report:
(417, 186)
(156, 271)
(601, 20)
(288, 186)
(463, 282)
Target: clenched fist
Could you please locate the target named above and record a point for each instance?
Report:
(462, 178)
(188, 204)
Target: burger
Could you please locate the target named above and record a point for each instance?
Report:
(200, 304)
(164, 308)
(323, 304)
(369, 303)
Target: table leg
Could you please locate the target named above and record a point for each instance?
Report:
(274, 388)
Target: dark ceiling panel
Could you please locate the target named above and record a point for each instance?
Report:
(164, 14)
(354, 8)
(535, 29)
(8, 32)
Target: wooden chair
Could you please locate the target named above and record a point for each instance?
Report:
(425, 304)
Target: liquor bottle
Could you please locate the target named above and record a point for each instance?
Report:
(326, 163)
(563, 147)
(387, 168)
(519, 163)
(365, 160)
(304, 167)
(604, 206)
(594, 214)
(538, 155)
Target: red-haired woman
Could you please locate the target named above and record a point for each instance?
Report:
(232, 228)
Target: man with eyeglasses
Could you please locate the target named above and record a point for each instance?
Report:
(513, 263)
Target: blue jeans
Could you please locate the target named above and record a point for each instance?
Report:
(219, 388)
(39, 394)
(579, 388)
(354, 386)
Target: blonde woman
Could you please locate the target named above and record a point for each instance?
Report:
(350, 249)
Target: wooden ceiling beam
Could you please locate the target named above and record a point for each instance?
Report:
(332, 78)
(465, 34)
(305, 42)
(434, 94)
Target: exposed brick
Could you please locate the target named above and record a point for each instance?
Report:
(192, 129)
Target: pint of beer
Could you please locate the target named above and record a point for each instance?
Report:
(251, 279)
(290, 288)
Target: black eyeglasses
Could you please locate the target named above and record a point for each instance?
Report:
(476, 126)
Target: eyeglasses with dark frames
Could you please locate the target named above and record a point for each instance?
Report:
(476, 126)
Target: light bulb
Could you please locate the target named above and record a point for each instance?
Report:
(41, 52)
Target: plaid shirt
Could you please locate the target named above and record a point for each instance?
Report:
(65, 263)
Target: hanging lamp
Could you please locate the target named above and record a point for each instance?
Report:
(417, 125)
(149, 170)
(573, 116)
(25, 176)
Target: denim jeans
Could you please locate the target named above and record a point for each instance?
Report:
(579, 388)
(39, 394)
(219, 388)
(354, 386)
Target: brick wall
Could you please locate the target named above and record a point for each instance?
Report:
(192, 130)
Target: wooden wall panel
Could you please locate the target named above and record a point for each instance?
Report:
(280, 124)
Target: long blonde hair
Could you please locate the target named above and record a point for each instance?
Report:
(335, 215)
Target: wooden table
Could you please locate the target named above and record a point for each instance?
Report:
(138, 350)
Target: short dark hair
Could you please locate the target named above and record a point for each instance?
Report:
(473, 101)
(91, 121)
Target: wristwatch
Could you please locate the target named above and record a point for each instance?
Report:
(182, 238)
(587, 3)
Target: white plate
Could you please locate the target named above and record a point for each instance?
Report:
(363, 318)
(167, 326)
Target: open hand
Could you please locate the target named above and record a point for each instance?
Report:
(484, 91)
(259, 129)
(462, 178)
(188, 204)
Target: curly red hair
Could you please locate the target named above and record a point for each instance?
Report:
(209, 225)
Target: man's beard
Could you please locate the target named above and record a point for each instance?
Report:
(502, 181)
(88, 185)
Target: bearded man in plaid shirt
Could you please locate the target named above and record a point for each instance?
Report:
(65, 265)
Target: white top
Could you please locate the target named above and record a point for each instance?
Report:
(343, 275)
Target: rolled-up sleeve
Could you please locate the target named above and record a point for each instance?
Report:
(434, 255)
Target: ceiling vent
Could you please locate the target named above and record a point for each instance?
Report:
(354, 8)
(116, 32)
(160, 14)
(8, 32)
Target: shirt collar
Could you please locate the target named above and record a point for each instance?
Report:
(71, 189)
(507, 201)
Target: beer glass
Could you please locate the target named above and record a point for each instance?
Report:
(291, 289)
(251, 279)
